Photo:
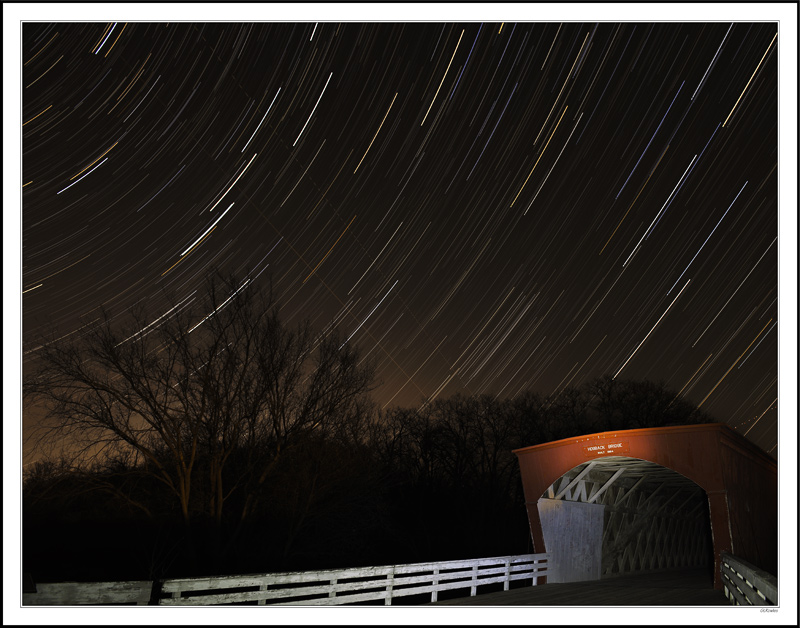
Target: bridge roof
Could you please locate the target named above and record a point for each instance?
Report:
(685, 431)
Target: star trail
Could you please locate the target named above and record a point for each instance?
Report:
(483, 207)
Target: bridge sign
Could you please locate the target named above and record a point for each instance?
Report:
(612, 448)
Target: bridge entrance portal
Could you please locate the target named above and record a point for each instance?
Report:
(615, 515)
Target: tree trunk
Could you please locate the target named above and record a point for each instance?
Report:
(184, 498)
(218, 497)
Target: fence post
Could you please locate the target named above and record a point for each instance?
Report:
(155, 593)
(332, 592)
(508, 574)
(262, 601)
(474, 588)
(389, 587)
(435, 592)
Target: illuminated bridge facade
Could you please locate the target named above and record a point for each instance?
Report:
(643, 500)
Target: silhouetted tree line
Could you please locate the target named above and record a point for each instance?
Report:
(215, 439)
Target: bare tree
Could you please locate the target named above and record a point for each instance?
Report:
(217, 375)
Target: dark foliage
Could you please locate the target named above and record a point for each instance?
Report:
(300, 472)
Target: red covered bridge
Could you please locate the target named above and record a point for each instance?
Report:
(651, 499)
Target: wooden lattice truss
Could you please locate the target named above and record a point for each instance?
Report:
(654, 517)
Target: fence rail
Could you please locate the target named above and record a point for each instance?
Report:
(747, 585)
(308, 588)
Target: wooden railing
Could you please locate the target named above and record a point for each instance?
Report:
(745, 584)
(346, 586)
(327, 587)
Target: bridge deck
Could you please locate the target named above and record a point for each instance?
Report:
(684, 587)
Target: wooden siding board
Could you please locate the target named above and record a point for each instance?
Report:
(573, 534)
(126, 592)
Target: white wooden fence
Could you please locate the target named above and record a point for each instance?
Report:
(307, 588)
(346, 586)
(746, 585)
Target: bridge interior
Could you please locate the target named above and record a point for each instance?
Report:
(616, 515)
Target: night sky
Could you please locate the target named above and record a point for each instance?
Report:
(483, 207)
(526, 200)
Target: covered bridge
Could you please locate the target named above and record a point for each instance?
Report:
(650, 499)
